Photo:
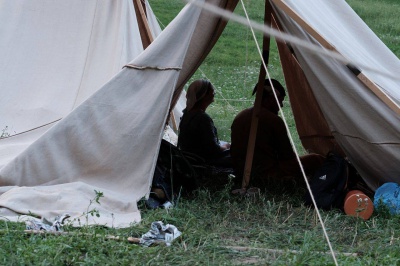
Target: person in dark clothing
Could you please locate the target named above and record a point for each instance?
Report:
(273, 153)
(197, 133)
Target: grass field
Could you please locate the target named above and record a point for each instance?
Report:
(219, 229)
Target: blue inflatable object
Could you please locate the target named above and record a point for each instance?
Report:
(388, 196)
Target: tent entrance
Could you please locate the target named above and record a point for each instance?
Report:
(311, 124)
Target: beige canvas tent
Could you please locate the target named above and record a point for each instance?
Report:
(110, 141)
(56, 55)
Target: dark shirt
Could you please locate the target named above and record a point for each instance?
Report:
(272, 141)
(198, 135)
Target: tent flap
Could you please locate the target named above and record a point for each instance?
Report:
(364, 127)
(108, 143)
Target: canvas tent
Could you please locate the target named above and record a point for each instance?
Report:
(110, 141)
(56, 54)
(365, 126)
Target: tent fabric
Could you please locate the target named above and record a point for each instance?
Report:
(152, 20)
(73, 50)
(366, 128)
(311, 124)
(208, 30)
(32, 49)
(110, 141)
(55, 54)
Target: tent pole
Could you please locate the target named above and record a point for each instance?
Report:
(173, 121)
(258, 100)
(145, 33)
(147, 38)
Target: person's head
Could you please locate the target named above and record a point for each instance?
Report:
(268, 98)
(200, 94)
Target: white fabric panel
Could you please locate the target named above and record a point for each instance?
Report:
(55, 54)
(12, 146)
(114, 41)
(347, 32)
(156, 30)
(109, 143)
(367, 130)
(179, 106)
(152, 20)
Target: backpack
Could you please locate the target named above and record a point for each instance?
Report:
(329, 183)
(176, 168)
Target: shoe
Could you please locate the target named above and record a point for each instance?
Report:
(152, 203)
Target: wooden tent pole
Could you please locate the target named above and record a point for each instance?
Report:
(258, 100)
(145, 32)
(147, 39)
(173, 121)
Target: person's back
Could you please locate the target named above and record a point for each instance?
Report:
(272, 143)
(273, 153)
(197, 133)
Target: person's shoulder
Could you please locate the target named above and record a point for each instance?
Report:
(201, 116)
(194, 113)
(266, 114)
(244, 113)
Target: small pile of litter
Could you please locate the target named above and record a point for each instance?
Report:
(160, 233)
(45, 225)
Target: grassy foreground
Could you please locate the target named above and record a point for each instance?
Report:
(219, 229)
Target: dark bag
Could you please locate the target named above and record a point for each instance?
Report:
(180, 168)
(329, 183)
(175, 173)
(162, 180)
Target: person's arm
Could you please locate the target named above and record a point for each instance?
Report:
(209, 137)
(224, 146)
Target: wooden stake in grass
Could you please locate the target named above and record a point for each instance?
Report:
(281, 251)
(133, 240)
(61, 233)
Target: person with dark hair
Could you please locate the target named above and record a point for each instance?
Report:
(277, 86)
(197, 133)
(273, 153)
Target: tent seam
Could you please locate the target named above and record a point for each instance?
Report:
(370, 142)
(84, 68)
(26, 131)
(152, 67)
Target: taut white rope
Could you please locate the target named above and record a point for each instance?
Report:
(290, 137)
(292, 142)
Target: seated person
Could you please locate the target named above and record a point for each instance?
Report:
(197, 133)
(273, 153)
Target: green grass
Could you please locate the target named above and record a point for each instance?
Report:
(382, 17)
(213, 221)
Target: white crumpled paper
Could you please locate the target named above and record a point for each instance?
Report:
(45, 225)
(160, 233)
